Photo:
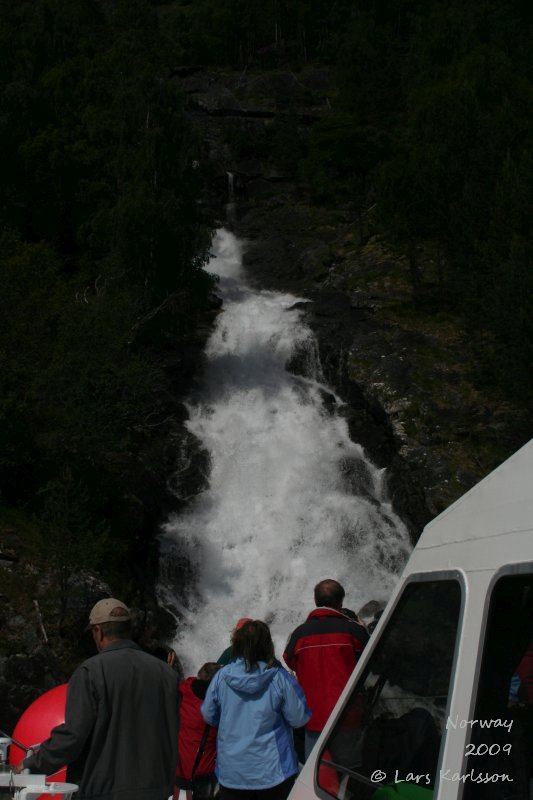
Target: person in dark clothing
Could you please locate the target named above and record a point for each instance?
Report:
(225, 658)
(193, 729)
(371, 627)
(323, 652)
(349, 613)
(167, 654)
(119, 738)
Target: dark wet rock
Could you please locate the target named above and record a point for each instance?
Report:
(315, 261)
(357, 476)
(259, 93)
(38, 646)
(192, 467)
(217, 100)
(303, 361)
(10, 547)
(329, 401)
(300, 305)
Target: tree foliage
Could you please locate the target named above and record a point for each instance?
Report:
(431, 126)
(101, 249)
(239, 32)
(462, 180)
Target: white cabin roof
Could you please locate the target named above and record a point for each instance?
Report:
(491, 523)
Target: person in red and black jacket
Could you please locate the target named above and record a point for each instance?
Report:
(323, 652)
(192, 728)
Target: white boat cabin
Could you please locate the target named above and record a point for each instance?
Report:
(440, 705)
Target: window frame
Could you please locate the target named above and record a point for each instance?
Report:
(416, 577)
(520, 568)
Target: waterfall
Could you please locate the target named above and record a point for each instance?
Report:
(291, 499)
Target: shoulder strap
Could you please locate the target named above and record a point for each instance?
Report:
(200, 750)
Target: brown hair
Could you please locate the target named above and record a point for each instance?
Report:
(253, 642)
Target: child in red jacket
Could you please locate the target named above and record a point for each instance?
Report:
(193, 730)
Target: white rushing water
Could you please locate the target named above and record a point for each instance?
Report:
(291, 499)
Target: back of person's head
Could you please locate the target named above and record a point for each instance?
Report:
(373, 624)
(113, 618)
(119, 629)
(207, 670)
(240, 622)
(253, 642)
(160, 651)
(329, 593)
(165, 653)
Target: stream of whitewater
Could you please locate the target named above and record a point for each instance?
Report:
(291, 499)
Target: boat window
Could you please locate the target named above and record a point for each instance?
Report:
(499, 764)
(390, 730)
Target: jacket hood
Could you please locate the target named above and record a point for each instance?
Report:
(237, 678)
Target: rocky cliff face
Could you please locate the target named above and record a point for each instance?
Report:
(409, 376)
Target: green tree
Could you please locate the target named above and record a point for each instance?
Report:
(101, 253)
(341, 157)
(69, 541)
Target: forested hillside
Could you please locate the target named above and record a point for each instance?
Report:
(429, 139)
(102, 247)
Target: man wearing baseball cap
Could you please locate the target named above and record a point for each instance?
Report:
(119, 738)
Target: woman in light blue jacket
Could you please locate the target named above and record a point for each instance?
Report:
(255, 703)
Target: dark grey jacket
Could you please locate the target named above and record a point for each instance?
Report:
(120, 734)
